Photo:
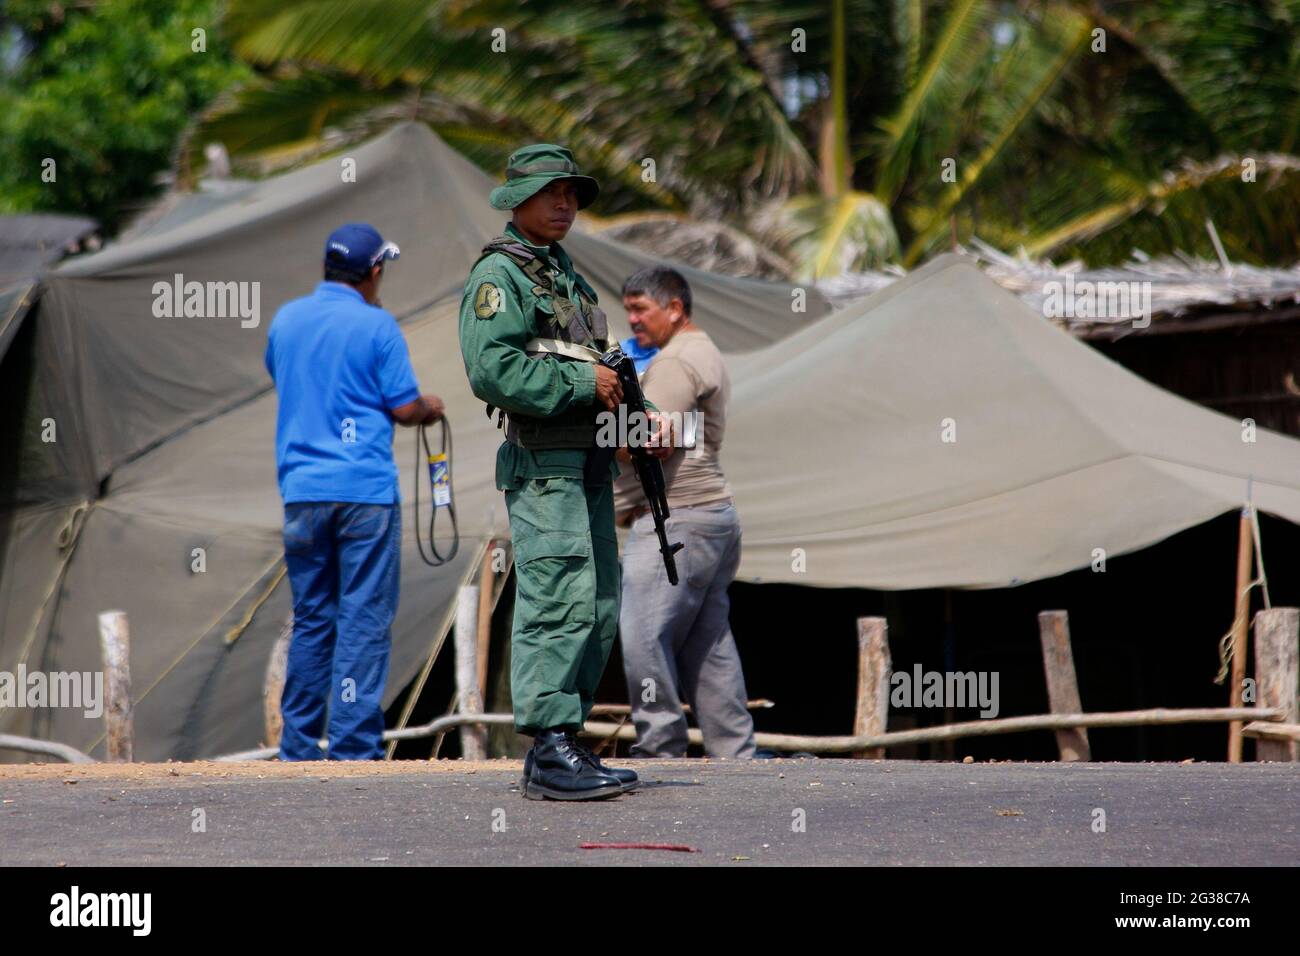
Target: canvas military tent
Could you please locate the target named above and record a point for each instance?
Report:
(837, 447)
(942, 434)
(28, 245)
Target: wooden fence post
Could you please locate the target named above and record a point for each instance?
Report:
(1240, 621)
(273, 686)
(874, 666)
(1277, 674)
(486, 587)
(115, 646)
(473, 737)
(1062, 684)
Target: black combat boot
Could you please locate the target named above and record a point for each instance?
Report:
(559, 771)
(528, 772)
(626, 778)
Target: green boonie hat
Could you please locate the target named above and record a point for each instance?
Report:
(530, 168)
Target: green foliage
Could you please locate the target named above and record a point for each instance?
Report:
(1142, 143)
(105, 91)
(608, 79)
(731, 98)
(993, 118)
(828, 235)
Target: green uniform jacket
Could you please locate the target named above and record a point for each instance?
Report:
(500, 311)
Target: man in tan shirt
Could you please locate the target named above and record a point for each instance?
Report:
(677, 641)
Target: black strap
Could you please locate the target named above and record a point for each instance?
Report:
(438, 559)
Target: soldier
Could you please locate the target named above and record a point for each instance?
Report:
(530, 334)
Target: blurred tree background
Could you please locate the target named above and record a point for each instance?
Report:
(106, 90)
(840, 134)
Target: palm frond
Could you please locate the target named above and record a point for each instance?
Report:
(1155, 196)
(679, 63)
(828, 235)
(1037, 65)
(948, 59)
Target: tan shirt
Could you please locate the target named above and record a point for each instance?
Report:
(688, 375)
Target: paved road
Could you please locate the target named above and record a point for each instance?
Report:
(854, 812)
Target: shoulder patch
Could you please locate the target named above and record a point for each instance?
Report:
(487, 300)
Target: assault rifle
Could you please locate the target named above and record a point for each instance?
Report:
(647, 468)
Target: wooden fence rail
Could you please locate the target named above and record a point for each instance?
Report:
(974, 728)
(1274, 723)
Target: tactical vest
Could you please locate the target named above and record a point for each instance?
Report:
(573, 331)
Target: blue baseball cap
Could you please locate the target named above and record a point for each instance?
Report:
(357, 248)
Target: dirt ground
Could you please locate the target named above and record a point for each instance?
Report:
(725, 812)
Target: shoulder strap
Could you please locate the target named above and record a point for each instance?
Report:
(584, 289)
(532, 267)
(574, 350)
(518, 253)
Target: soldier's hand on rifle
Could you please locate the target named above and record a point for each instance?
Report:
(609, 391)
(660, 444)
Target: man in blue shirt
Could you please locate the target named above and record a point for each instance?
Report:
(343, 376)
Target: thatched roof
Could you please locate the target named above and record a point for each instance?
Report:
(710, 246)
(1177, 293)
(1184, 292)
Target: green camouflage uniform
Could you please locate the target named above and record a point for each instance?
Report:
(529, 329)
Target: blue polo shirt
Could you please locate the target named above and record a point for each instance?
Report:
(339, 365)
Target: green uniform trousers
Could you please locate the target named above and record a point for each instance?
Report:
(567, 588)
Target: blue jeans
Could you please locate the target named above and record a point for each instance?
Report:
(343, 563)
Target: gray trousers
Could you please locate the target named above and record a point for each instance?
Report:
(677, 640)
